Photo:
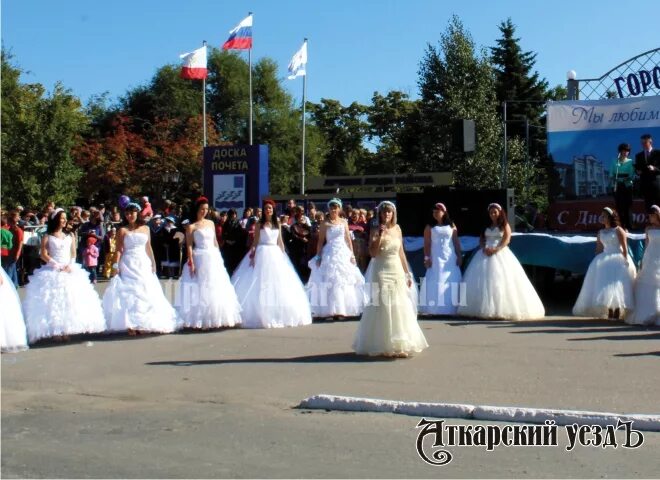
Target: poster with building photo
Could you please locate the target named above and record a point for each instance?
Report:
(583, 136)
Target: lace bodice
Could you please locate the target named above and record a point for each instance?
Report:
(59, 249)
(652, 253)
(610, 240)
(204, 238)
(268, 236)
(493, 236)
(134, 242)
(441, 242)
(334, 233)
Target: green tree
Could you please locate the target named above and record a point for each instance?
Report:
(39, 132)
(394, 123)
(277, 122)
(517, 81)
(457, 82)
(526, 94)
(344, 130)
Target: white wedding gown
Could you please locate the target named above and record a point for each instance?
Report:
(61, 303)
(647, 284)
(207, 299)
(440, 290)
(271, 293)
(135, 300)
(608, 283)
(337, 286)
(14, 335)
(497, 287)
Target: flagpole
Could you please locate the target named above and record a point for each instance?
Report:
(302, 180)
(250, 77)
(204, 107)
(203, 119)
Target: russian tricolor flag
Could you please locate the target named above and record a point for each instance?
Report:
(194, 64)
(240, 38)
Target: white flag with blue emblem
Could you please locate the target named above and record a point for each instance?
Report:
(298, 62)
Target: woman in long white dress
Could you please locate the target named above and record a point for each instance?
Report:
(59, 299)
(134, 300)
(647, 283)
(336, 285)
(496, 285)
(14, 335)
(205, 296)
(388, 326)
(267, 286)
(440, 290)
(607, 290)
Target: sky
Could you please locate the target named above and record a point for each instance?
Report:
(355, 47)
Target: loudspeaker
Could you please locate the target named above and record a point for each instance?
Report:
(464, 136)
(468, 209)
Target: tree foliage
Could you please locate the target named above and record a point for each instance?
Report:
(39, 132)
(457, 82)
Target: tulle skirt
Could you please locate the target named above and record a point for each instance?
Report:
(337, 286)
(14, 335)
(134, 299)
(270, 293)
(440, 289)
(388, 325)
(608, 285)
(207, 299)
(61, 303)
(497, 287)
(647, 294)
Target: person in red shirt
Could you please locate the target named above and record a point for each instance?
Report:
(147, 212)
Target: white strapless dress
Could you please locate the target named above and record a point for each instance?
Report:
(337, 286)
(134, 299)
(14, 335)
(61, 303)
(271, 293)
(440, 290)
(497, 287)
(207, 299)
(608, 283)
(647, 284)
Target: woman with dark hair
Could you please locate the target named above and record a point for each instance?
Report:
(234, 239)
(266, 283)
(622, 173)
(336, 286)
(388, 326)
(607, 290)
(205, 296)
(59, 299)
(134, 301)
(442, 258)
(647, 283)
(301, 233)
(496, 285)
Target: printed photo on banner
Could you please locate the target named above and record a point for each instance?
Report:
(229, 192)
(583, 137)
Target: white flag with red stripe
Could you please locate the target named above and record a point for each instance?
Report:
(194, 64)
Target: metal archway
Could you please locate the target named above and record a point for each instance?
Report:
(638, 76)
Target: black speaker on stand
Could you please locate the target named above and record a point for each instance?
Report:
(468, 209)
(464, 136)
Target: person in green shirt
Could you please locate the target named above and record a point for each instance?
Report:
(622, 173)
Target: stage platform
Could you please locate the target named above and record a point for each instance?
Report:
(571, 253)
